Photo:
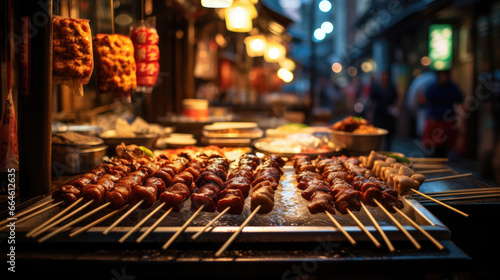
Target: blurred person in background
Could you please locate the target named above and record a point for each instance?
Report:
(415, 93)
(383, 98)
(440, 98)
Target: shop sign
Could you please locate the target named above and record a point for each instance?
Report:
(440, 46)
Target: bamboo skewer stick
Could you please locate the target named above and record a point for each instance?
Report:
(34, 214)
(379, 229)
(210, 223)
(73, 222)
(184, 226)
(399, 226)
(139, 224)
(436, 171)
(237, 232)
(441, 203)
(112, 17)
(448, 177)
(29, 234)
(82, 229)
(21, 214)
(341, 228)
(419, 228)
(106, 231)
(364, 229)
(427, 166)
(464, 197)
(469, 192)
(62, 219)
(152, 227)
(451, 192)
(415, 159)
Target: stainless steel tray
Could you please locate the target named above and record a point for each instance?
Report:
(290, 221)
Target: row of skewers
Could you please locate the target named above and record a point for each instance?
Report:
(344, 184)
(137, 183)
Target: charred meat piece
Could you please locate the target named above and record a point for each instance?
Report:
(95, 192)
(241, 183)
(172, 200)
(231, 198)
(348, 199)
(321, 202)
(390, 199)
(267, 174)
(208, 177)
(67, 193)
(147, 193)
(314, 186)
(331, 176)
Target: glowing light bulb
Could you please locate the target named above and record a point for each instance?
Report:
(336, 67)
(327, 27)
(325, 6)
(319, 34)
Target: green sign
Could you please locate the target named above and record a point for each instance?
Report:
(440, 46)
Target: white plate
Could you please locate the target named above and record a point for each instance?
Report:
(230, 125)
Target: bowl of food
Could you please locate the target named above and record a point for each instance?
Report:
(357, 136)
(112, 139)
(297, 144)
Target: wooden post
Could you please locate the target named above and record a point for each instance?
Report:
(35, 97)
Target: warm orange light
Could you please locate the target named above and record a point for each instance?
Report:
(285, 75)
(336, 67)
(288, 64)
(274, 52)
(425, 61)
(240, 15)
(238, 19)
(255, 45)
(367, 66)
(352, 71)
(216, 3)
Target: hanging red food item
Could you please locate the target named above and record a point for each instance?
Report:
(9, 151)
(115, 64)
(72, 52)
(147, 55)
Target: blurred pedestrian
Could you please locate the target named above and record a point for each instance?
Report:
(414, 96)
(440, 133)
(383, 97)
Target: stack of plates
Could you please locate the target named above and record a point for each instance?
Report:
(231, 133)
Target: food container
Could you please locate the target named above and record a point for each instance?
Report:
(146, 140)
(74, 152)
(76, 158)
(297, 144)
(358, 144)
(179, 140)
(231, 133)
(195, 108)
(83, 129)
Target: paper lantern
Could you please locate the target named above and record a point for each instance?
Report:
(239, 18)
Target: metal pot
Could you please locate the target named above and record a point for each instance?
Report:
(357, 143)
(76, 158)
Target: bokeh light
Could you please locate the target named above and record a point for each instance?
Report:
(325, 6)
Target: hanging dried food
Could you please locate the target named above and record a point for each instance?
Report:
(115, 64)
(72, 51)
